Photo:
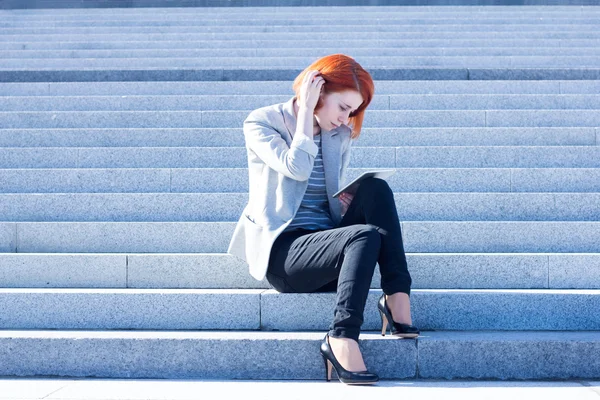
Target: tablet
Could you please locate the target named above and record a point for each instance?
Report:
(353, 186)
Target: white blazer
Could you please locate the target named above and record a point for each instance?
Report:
(279, 167)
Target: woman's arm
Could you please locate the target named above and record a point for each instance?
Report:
(295, 161)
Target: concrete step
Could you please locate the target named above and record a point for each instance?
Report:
(198, 11)
(189, 53)
(234, 88)
(412, 102)
(275, 73)
(295, 355)
(291, 62)
(454, 41)
(307, 21)
(185, 10)
(228, 119)
(257, 309)
(218, 207)
(567, 28)
(235, 180)
(370, 15)
(223, 271)
(234, 137)
(362, 157)
(214, 237)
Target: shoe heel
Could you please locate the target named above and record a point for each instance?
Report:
(384, 323)
(328, 367)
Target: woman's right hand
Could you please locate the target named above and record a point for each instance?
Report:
(310, 90)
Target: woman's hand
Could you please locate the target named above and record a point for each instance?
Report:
(310, 91)
(345, 200)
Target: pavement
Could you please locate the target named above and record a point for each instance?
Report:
(137, 389)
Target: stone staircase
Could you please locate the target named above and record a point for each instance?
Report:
(123, 171)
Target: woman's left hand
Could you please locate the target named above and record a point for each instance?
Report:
(345, 200)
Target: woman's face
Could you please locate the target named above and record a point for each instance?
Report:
(336, 108)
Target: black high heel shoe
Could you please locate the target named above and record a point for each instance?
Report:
(345, 376)
(396, 328)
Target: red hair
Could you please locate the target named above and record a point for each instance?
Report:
(342, 73)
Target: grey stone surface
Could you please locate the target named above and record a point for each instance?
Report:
(407, 16)
(555, 180)
(532, 73)
(140, 53)
(444, 179)
(287, 63)
(556, 10)
(417, 179)
(130, 309)
(251, 102)
(223, 271)
(75, 4)
(174, 157)
(566, 271)
(209, 180)
(509, 355)
(63, 270)
(533, 61)
(235, 180)
(498, 156)
(218, 207)
(205, 157)
(105, 119)
(501, 237)
(492, 102)
(134, 137)
(8, 237)
(48, 157)
(542, 118)
(206, 74)
(497, 206)
(177, 355)
(108, 180)
(234, 137)
(121, 237)
(206, 271)
(380, 34)
(424, 118)
(479, 136)
(575, 87)
(250, 73)
(477, 271)
(235, 88)
(445, 309)
(214, 237)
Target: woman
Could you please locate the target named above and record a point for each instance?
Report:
(301, 238)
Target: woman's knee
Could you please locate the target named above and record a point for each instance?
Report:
(376, 185)
(367, 233)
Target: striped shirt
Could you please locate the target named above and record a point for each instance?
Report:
(314, 209)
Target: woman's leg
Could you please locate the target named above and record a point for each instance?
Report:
(341, 259)
(374, 204)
